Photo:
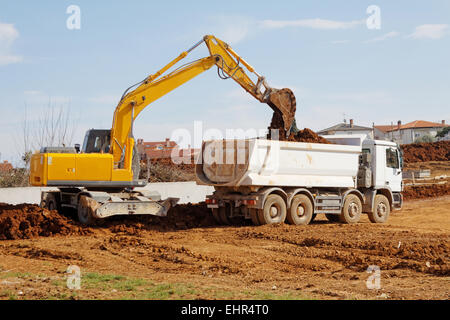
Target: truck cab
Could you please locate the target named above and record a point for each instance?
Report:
(386, 164)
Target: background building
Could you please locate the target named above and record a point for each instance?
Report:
(347, 128)
(409, 132)
(162, 149)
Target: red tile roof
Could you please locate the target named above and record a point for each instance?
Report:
(5, 166)
(386, 128)
(413, 124)
(422, 124)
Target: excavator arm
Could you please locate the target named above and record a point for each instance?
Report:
(230, 65)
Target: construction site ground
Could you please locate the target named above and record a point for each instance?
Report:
(196, 259)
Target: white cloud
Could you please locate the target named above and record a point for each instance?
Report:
(388, 35)
(321, 24)
(8, 34)
(430, 31)
(232, 29)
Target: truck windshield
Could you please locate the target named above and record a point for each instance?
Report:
(392, 158)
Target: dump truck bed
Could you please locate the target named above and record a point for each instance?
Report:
(260, 162)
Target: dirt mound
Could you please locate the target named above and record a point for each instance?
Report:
(421, 152)
(426, 191)
(182, 216)
(305, 135)
(26, 221)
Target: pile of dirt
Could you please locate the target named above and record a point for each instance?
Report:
(182, 216)
(25, 221)
(305, 135)
(426, 191)
(421, 152)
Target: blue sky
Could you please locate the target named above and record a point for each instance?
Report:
(322, 50)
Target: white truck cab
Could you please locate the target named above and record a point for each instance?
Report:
(386, 164)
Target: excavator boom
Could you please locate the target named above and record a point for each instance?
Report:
(230, 65)
(109, 158)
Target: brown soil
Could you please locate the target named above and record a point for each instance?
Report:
(426, 191)
(420, 152)
(323, 260)
(305, 135)
(26, 221)
(30, 221)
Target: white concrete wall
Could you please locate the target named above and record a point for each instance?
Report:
(186, 191)
(21, 195)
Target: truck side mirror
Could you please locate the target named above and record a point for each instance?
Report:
(77, 147)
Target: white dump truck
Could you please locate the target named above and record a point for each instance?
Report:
(271, 181)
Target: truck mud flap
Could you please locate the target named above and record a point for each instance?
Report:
(156, 208)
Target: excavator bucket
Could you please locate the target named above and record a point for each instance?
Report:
(284, 105)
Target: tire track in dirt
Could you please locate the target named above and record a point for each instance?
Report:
(417, 252)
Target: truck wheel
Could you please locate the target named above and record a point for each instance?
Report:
(85, 214)
(301, 210)
(274, 210)
(215, 213)
(381, 209)
(254, 216)
(223, 215)
(332, 217)
(351, 211)
(50, 202)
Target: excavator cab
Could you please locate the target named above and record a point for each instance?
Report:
(97, 141)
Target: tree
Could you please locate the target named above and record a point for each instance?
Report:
(52, 127)
(441, 133)
(425, 138)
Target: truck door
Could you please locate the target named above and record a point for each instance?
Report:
(393, 171)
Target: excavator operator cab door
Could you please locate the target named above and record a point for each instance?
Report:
(97, 141)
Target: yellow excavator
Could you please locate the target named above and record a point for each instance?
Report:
(99, 179)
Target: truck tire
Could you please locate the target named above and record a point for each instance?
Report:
(215, 213)
(254, 216)
(274, 210)
(50, 202)
(351, 211)
(85, 214)
(301, 210)
(332, 217)
(223, 215)
(381, 209)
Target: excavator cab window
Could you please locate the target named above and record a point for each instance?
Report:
(97, 141)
